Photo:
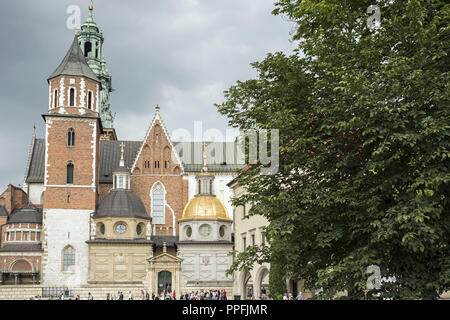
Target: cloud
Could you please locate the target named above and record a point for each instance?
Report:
(181, 55)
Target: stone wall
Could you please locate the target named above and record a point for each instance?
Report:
(99, 292)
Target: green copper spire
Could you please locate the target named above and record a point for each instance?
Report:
(90, 39)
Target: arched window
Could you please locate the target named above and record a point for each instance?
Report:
(68, 258)
(55, 98)
(90, 100)
(70, 173)
(71, 97)
(87, 49)
(71, 138)
(158, 203)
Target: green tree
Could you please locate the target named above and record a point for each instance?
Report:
(277, 280)
(364, 126)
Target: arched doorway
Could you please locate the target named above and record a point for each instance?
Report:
(262, 283)
(247, 285)
(293, 286)
(20, 272)
(164, 281)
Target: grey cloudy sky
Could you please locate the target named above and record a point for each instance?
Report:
(180, 54)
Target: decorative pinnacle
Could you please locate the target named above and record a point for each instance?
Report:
(157, 108)
(122, 161)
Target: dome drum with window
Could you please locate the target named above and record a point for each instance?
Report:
(205, 217)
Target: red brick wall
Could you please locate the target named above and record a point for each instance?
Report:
(13, 197)
(81, 155)
(146, 174)
(9, 262)
(176, 197)
(89, 85)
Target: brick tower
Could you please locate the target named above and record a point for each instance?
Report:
(73, 129)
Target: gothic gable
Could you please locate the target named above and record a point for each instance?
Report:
(157, 155)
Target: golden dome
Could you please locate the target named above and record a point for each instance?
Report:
(205, 207)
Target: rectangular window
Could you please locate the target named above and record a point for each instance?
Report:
(71, 97)
(90, 100)
(55, 99)
(244, 241)
(253, 240)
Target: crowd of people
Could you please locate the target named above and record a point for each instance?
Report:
(171, 295)
(164, 295)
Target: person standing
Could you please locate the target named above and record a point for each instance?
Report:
(90, 296)
(130, 295)
(300, 296)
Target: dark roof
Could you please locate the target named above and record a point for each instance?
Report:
(21, 247)
(37, 163)
(3, 211)
(74, 64)
(169, 240)
(110, 157)
(121, 169)
(121, 203)
(26, 215)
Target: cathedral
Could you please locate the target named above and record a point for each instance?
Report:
(99, 212)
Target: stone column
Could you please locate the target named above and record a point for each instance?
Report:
(179, 279)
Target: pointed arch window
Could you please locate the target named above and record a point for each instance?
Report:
(71, 138)
(68, 258)
(55, 98)
(71, 97)
(158, 203)
(70, 169)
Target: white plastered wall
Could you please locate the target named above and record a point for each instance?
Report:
(65, 227)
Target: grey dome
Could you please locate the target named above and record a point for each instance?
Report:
(121, 203)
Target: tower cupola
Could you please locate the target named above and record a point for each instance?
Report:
(90, 39)
(121, 174)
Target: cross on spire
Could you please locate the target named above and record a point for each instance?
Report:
(122, 161)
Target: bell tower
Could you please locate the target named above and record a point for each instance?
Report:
(90, 39)
(73, 129)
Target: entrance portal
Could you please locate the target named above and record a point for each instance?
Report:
(164, 281)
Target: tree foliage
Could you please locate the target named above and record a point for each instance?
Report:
(277, 280)
(364, 126)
